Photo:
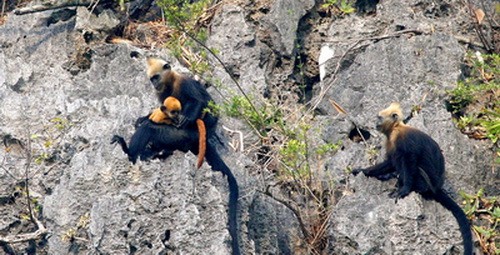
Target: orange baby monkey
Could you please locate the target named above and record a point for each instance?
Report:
(169, 113)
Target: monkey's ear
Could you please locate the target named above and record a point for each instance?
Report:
(166, 66)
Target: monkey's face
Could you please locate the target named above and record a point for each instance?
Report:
(157, 71)
(172, 108)
(388, 118)
(172, 115)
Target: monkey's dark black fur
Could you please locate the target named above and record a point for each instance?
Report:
(152, 140)
(193, 96)
(420, 166)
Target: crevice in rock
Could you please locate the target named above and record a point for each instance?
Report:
(19, 86)
(166, 236)
(132, 249)
(358, 134)
(310, 35)
(134, 54)
(366, 6)
(147, 244)
(305, 71)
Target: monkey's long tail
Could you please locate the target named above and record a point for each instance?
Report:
(218, 164)
(202, 143)
(441, 197)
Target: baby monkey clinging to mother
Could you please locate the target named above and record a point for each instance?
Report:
(419, 164)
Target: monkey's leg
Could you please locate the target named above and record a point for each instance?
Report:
(118, 139)
(407, 170)
(139, 142)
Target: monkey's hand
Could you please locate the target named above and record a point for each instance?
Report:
(182, 121)
(117, 139)
(157, 116)
(356, 171)
(386, 177)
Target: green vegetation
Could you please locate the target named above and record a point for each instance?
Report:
(184, 12)
(49, 139)
(188, 23)
(284, 148)
(76, 233)
(484, 212)
(342, 6)
(475, 102)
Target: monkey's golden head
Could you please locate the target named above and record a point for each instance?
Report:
(157, 71)
(389, 118)
(172, 108)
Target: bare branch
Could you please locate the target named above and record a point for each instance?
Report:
(39, 233)
(478, 29)
(185, 31)
(323, 92)
(51, 6)
(27, 172)
(292, 208)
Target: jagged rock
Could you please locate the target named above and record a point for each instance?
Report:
(105, 22)
(155, 208)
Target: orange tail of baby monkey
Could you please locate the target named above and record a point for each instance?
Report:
(202, 146)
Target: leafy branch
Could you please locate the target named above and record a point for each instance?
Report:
(179, 14)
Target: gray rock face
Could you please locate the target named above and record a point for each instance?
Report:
(158, 207)
(415, 71)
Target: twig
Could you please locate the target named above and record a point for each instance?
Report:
(240, 135)
(182, 28)
(479, 32)
(3, 7)
(51, 6)
(380, 37)
(7, 171)
(40, 232)
(357, 41)
(294, 210)
(322, 93)
(462, 39)
(26, 174)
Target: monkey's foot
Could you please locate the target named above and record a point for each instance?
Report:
(399, 194)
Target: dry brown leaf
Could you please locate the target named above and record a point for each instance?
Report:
(479, 15)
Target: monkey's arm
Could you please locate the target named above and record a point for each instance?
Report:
(194, 98)
(407, 169)
(191, 111)
(139, 142)
(157, 116)
(118, 139)
(377, 170)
